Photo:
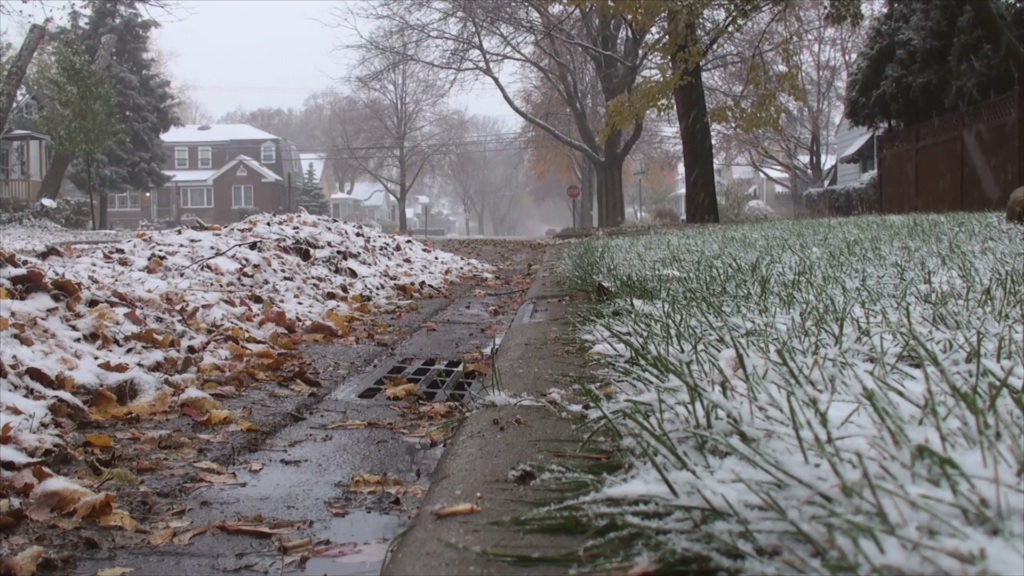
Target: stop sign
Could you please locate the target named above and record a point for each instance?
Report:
(573, 191)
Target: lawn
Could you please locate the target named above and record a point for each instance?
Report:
(822, 396)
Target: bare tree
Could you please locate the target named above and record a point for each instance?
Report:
(392, 132)
(792, 127)
(332, 111)
(190, 110)
(494, 40)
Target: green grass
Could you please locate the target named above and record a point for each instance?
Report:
(823, 396)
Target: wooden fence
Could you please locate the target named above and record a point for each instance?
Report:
(964, 161)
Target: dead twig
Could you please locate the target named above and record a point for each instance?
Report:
(222, 252)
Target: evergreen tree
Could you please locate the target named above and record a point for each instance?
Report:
(144, 102)
(924, 59)
(79, 112)
(311, 196)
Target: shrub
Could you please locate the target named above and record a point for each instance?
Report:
(848, 200)
(73, 213)
(666, 214)
(758, 210)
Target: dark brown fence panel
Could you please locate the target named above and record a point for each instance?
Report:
(991, 158)
(897, 172)
(968, 160)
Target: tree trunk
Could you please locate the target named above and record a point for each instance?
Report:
(403, 225)
(16, 72)
(88, 189)
(612, 208)
(480, 221)
(50, 186)
(586, 212)
(695, 129)
(104, 213)
(466, 218)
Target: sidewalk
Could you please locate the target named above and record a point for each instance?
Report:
(491, 442)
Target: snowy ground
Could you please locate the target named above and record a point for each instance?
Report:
(33, 237)
(159, 312)
(815, 397)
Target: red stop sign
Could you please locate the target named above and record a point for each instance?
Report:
(573, 191)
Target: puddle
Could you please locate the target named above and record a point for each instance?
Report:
(374, 530)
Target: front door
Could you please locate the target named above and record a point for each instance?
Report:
(164, 208)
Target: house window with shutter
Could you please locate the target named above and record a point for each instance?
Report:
(205, 157)
(181, 158)
(268, 153)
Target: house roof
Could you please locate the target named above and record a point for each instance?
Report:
(208, 176)
(317, 160)
(24, 135)
(371, 193)
(215, 133)
(847, 156)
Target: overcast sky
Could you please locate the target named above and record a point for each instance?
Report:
(254, 53)
(268, 53)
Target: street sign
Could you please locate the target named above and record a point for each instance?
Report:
(573, 191)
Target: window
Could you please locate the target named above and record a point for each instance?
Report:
(181, 158)
(867, 164)
(197, 197)
(241, 196)
(28, 110)
(123, 201)
(242, 171)
(205, 157)
(268, 153)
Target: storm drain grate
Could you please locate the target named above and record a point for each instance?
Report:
(435, 380)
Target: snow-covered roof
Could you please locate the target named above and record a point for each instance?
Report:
(189, 175)
(317, 160)
(23, 134)
(855, 147)
(215, 133)
(371, 193)
(421, 199)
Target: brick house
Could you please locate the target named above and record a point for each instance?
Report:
(219, 173)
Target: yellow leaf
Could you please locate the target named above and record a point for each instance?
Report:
(4, 322)
(457, 510)
(114, 571)
(97, 505)
(202, 403)
(118, 518)
(23, 564)
(237, 350)
(3, 293)
(228, 478)
(211, 466)
(356, 298)
(99, 440)
(246, 426)
(408, 288)
(218, 417)
(399, 392)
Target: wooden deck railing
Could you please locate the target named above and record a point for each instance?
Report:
(20, 191)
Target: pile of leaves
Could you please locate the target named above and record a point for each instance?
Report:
(168, 319)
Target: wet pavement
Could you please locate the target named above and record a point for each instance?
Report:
(303, 471)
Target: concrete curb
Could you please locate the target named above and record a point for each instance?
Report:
(489, 444)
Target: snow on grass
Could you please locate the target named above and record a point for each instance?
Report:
(156, 311)
(814, 396)
(34, 236)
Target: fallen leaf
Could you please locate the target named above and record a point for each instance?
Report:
(228, 478)
(263, 529)
(148, 465)
(134, 318)
(95, 506)
(218, 417)
(114, 571)
(295, 546)
(211, 466)
(347, 425)
(336, 550)
(183, 538)
(118, 518)
(337, 510)
(119, 368)
(255, 467)
(457, 510)
(480, 368)
(246, 426)
(160, 537)
(99, 440)
(23, 564)
(202, 402)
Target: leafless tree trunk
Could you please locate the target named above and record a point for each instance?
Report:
(16, 72)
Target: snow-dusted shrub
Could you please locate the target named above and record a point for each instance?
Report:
(849, 200)
(72, 214)
(758, 210)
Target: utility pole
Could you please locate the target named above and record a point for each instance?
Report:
(289, 176)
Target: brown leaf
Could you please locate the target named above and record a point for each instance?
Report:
(337, 510)
(120, 367)
(38, 375)
(228, 478)
(133, 317)
(347, 425)
(211, 466)
(117, 571)
(118, 518)
(265, 529)
(99, 440)
(160, 537)
(480, 368)
(457, 510)
(183, 539)
(255, 467)
(23, 564)
(66, 287)
(202, 404)
(94, 506)
(154, 265)
(148, 466)
(318, 327)
(5, 433)
(246, 426)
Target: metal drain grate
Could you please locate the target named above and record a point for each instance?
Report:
(435, 380)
